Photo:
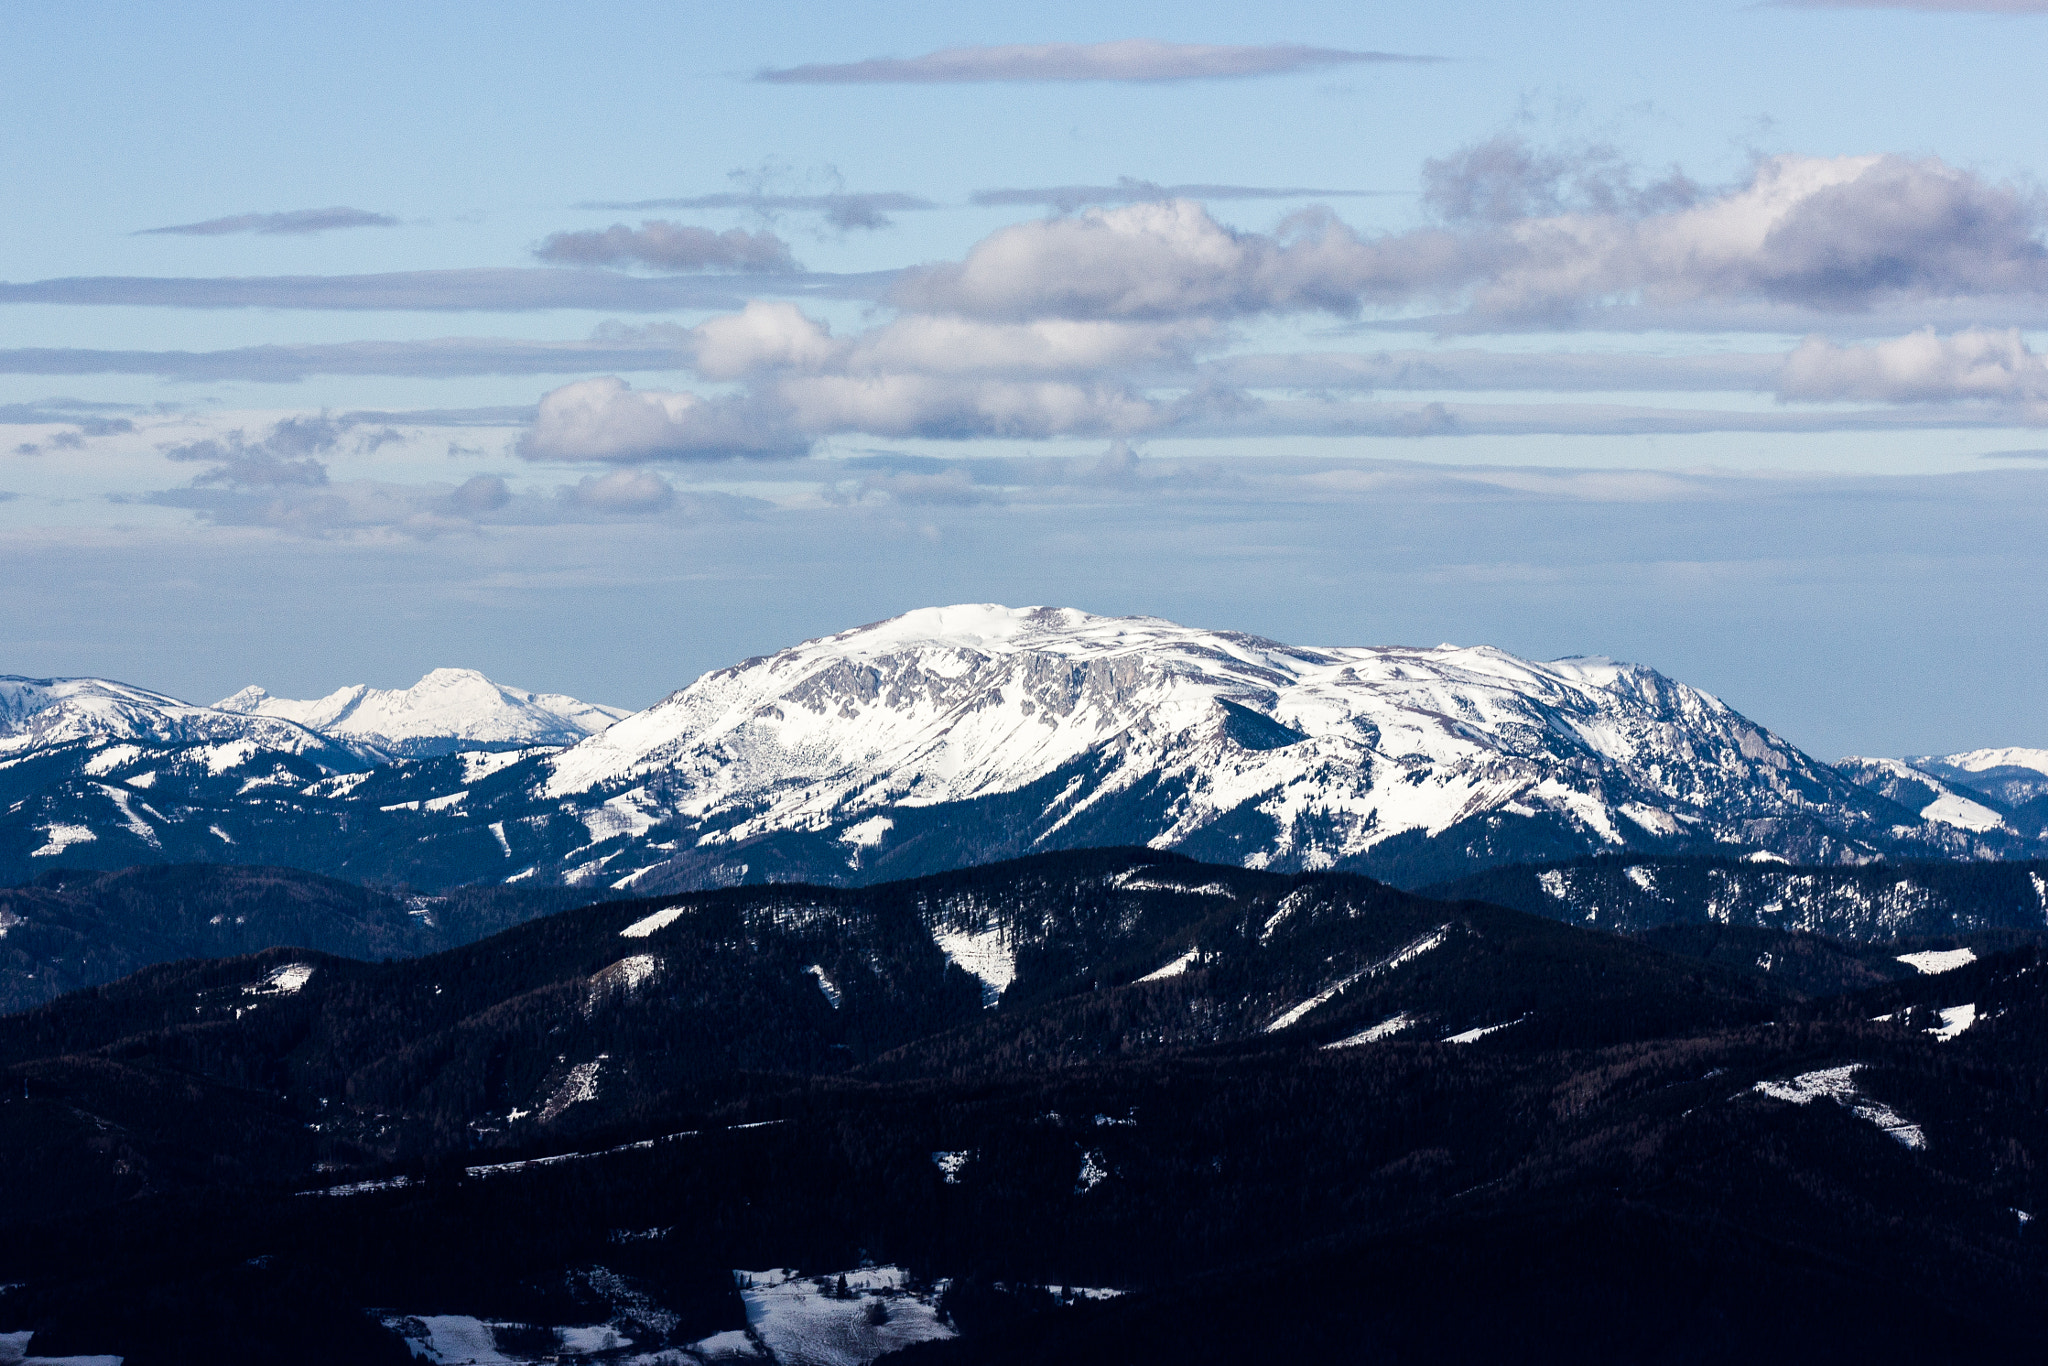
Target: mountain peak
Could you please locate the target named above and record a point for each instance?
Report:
(449, 709)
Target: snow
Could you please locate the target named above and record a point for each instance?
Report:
(62, 837)
(951, 704)
(1954, 1020)
(622, 978)
(1175, 968)
(14, 1352)
(137, 826)
(825, 984)
(1552, 881)
(479, 764)
(951, 1164)
(734, 1343)
(1839, 1085)
(1931, 961)
(868, 833)
(109, 759)
(498, 829)
(1475, 1035)
(1408, 952)
(1094, 1171)
(283, 981)
(224, 836)
(1953, 809)
(1642, 877)
(446, 709)
(451, 1340)
(2040, 892)
(798, 1322)
(1978, 760)
(1385, 1029)
(1764, 856)
(578, 1086)
(661, 919)
(989, 954)
(452, 801)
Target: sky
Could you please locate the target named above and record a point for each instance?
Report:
(597, 347)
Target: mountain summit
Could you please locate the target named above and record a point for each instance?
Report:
(446, 711)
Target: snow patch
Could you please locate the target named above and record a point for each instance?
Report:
(1552, 881)
(990, 955)
(1475, 1035)
(1175, 968)
(640, 929)
(622, 978)
(577, 1087)
(951, 1164)
(109, 759)
(1094, 1171)
(868, 833)
(1962, 813)
(60, 838)
(801, 1319)
(498, 829)
(1385, 1029)
(1839, 1085)
(1932, 961)
(825, 984)
(283, 981)
(1644, 878)
(1764, 856)
(1954, 1020)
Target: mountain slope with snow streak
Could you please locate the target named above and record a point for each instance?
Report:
(446, 711)
(837, 756)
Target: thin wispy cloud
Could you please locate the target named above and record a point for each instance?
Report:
(1930, 6)
(1132, 59)
(438, 358)
(849, 210)
(505, 289)
(661, 245)
(1067, 198)
(292, 223)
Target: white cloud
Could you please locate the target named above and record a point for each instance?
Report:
(605, 419)
(1922, 367)
(622, 491)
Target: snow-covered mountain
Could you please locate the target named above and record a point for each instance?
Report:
(992, 730)
(959, 735)
(1984, 791)
(45, 713)
(446, 711)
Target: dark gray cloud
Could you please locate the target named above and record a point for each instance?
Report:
(90, 419)
(1506, 178)
(285, 457)
(1133, 59)
(489, 289)
(443, 357)
(1067, 198)
(842, 210)
(661, 245)
(295, 222)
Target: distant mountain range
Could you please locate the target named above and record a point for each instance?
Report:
(957, 735)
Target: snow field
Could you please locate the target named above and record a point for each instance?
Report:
(1932, 961)
(798, 1320)
(1839, 1085)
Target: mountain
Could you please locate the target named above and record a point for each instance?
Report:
(72, 929)
(1103, 1105)
(446, 711)
(1869, 902)
(960, 735)
(46, 713)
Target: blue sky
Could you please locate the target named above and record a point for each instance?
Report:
(599, 347)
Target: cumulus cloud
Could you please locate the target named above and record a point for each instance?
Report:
(1133, 59)
(1821, 233)
(294, 222)
(662, 245)
(1067, 198)
(1923, 367)
(629, 490)
(606, 419)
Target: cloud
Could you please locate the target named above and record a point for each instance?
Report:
(1828, 234)
(89, 418)
(631, 490)
(284, 458)
(295, 222)
(1067, 198)
(1931, 6)
(1505, 178)
(490, 289)
(479, 493)
(605, 419)
(1133, 59)
(443, 357)
(1923, 367)
(1469, 369)
(669, 246)
(842, 210)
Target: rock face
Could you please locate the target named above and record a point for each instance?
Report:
(957, 735)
